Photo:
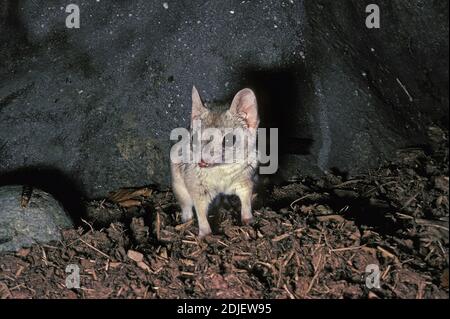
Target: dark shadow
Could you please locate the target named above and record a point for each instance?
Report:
(50, 180)
(77, 62)
(284, 95)
(338, 172)
(281, 95)
(366, 214)
(364, 211)
(10, 21)
(222, 208)
(11, 13)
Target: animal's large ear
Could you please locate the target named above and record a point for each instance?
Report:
(245, 105)
(197, 106)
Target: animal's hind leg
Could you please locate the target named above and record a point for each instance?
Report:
(245, 195)
(186, 205)
(201, 204)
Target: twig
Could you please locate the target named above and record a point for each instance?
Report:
(222, 243)
(404, 216)
(189, 242)
(377, 187)
(44, 256)
(299, 199)
(187, 274)
(424, 222)
(441, 247)
(268, 266)
(281, 237)
(410, 200)
(353, 181)
(404, 89)
(158, 226)
(347, 248)
(385, 273)
(316, 274)
(90, 226)
(288, 258)
(288, 292)
(96, 249)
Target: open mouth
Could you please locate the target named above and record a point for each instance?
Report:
(203, 164)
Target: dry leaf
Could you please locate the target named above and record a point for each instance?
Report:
(126, 194)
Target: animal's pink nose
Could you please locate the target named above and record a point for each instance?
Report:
(203, 164)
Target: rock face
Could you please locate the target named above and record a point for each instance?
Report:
(97, 104)
(40, 221)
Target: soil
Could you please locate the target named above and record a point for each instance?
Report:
(315, 238)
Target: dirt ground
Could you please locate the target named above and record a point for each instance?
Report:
(311, 239)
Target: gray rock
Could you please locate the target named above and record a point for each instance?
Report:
(40, 221)
(98, 103)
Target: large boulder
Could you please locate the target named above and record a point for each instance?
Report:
(29, 216)
(97, 104)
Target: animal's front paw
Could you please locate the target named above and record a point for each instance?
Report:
(186, 219)
(186, 216)
(247, 221)
(204, 232)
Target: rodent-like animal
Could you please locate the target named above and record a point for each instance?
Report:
(196, 184)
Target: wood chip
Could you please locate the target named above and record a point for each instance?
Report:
(444, 279)
(388, 255)
(144, 266)
(187, 274)
(184, 226)
(281, 237)
(114, 264)
(135, 255)
(188, 262)
(23, 252)
(130, 203)
(336, 218)
(4, 291)
(158, 226)
(163, 253)
(19, 271)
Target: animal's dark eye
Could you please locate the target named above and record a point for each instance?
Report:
(229, 140)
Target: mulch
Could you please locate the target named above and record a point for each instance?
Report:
(313, 238)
